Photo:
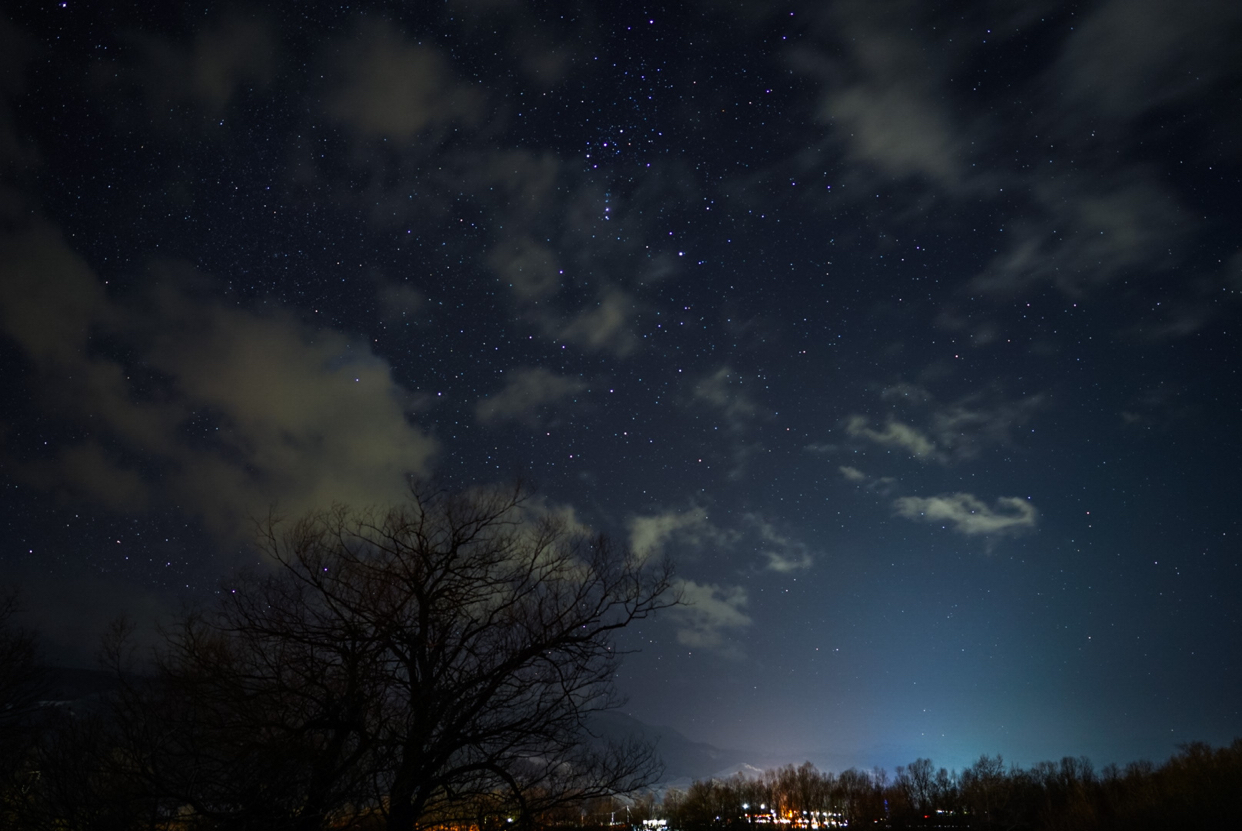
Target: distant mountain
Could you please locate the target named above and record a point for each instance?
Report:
(79, 690)
(684, 760)
(65, 684)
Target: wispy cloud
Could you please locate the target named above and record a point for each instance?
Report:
(530, 268)
(387, 86)
(690, 528)
(852, 474)
(604, 327)
(1086, 233)
(396, 301)
(894, 434)
(527, 392)
(883, 485)
(648, 533)
(947, 431)
(969, 515)
(1129, 56)
(963, 428)
(784, 564)
(723, 391)
(233, 52)
(712, 615)
(783, 554)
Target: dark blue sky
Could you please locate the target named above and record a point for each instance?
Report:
(909, 330)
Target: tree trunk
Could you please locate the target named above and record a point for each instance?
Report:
(403, 809)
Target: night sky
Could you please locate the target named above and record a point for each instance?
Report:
(910, 330)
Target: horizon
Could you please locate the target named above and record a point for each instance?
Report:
(756, 760)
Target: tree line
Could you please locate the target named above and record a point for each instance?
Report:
(1198, 788)
(433, 664)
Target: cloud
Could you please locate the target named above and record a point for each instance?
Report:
(526, 392)
(783, 564)
(969, 515)
(397, 301)
(822, 447)
(691, 529)
(311, 417)
(1232, 274)
(232, 411)
(386, 86)
(783, 554)
(603, 328)
(542, 53)
(894, 434)
(894, 124)
(87, 468)
(882, 100)
(224, 56)
(1199, 308)
(523, 182)
(231, 53)
(711, 616)
(966, 426)
(1161, 405)
(1087, 234)
(951, 432)
(721, 391)
(721, 394)
(688, 529)
(529, 267)
(883, 485)
(51, 297)
(539, 507)
(648, 533)
(906, 392)
(852, 474)
(17, 49)
(1129, 56)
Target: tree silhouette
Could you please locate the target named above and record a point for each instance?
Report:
(428, 663)
(22, 683)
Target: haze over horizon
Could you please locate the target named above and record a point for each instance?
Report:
(909, 331)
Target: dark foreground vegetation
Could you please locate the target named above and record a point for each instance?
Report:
(1199, 788)
(434, 666)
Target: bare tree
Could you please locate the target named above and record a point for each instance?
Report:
(22, 683)
(918, 782)
(429, 662)
(984, 788)
(246, 724)
(22, 679)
